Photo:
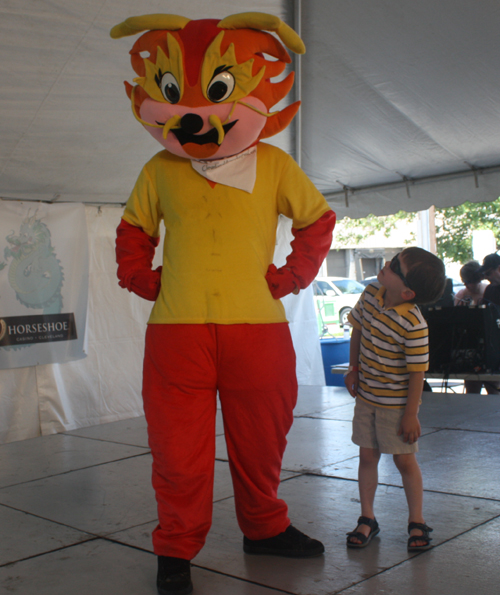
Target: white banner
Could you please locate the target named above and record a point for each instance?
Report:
(43, 283)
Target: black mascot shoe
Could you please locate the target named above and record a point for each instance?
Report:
(290, 544)
(174, 576)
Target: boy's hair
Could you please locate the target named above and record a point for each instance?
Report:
(426, 275)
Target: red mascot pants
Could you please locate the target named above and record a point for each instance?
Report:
(252, 367)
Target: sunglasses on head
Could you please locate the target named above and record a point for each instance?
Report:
(395, 267)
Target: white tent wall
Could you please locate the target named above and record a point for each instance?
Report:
(301, 315)
(106, 385)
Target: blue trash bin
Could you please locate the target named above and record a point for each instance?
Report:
(334, 351)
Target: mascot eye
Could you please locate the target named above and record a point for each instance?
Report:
(170, 88)
(221, 87)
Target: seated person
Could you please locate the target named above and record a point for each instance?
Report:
(491, 271)
(472, 278)
(489, 294)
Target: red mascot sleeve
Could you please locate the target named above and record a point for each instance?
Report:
(135, 251)
(309, 249)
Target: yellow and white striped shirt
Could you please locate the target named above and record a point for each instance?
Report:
(394, 342)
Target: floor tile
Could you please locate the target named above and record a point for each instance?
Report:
(339, 413)
(45, 456)
(439, 410)
(312, 444)
(313, 399)
(23, 535)
(485, 422)
(326, 509)
(101, 499)
(463, 566)
(129, 431)
(139, 536)
(446, 410)
(104, 568)
(452, 461)
(346, 413)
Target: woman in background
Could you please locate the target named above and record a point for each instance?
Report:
(472, 278)
(471, 296)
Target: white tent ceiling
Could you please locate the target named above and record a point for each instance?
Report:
(397, 89)
(401, 99)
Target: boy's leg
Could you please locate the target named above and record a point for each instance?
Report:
(368, 479)
(388, 423)
(179, 391)
(367, 484)
(258, 391)
(414, 490)
(364, 435)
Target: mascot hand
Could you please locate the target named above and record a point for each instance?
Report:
(281, 281)
(146, 284)
(309, 248)
(135, 251)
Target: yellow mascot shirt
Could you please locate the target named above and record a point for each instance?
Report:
(219, 242)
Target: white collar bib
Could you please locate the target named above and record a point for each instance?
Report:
(238, 171)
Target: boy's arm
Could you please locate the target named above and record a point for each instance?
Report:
(410, 426)
(351, 379)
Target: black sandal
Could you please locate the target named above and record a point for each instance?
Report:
(374, 530)
(424, 537)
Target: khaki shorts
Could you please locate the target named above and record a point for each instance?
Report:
(377, 428)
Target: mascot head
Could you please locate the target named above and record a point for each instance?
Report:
(204, 88)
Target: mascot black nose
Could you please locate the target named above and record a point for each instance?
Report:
(191, 123)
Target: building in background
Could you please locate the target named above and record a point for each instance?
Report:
(360, 252)
(360, 255)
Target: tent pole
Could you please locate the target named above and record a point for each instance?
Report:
(409, 182)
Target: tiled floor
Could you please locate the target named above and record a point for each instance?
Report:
(77, 510)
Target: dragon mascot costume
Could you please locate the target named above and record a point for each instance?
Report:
(204, 92)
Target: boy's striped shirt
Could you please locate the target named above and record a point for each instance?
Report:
(394, 342)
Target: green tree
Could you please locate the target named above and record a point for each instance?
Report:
(351, 232)
(454, 227)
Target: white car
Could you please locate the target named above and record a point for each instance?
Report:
(342, 292)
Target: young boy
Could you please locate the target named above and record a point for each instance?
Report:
(388, 359)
